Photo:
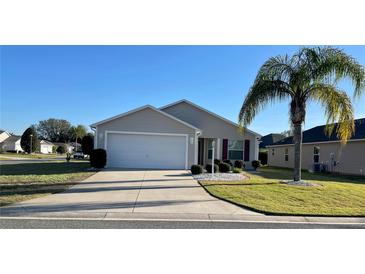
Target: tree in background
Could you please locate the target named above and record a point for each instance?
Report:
(87, 143)
(311, 74)
(60, 150)
(29, 140)
(54, 130)
(77, 133)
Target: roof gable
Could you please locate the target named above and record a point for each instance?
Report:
(216, 116)
(142, 108)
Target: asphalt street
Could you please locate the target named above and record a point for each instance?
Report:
(10, 223)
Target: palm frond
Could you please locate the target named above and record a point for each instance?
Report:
(332, 64)
(260, 94)
(338, 108)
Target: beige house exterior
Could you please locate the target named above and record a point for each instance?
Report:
(335, 157)
(175, 136)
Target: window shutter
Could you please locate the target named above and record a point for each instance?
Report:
(247, 151)
(225, 149)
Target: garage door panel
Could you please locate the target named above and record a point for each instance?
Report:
(146, 151)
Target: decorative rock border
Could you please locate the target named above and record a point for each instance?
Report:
(227, 177)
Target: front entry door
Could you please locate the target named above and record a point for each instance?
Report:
(201, 151)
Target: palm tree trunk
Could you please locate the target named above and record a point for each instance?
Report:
(297, 152)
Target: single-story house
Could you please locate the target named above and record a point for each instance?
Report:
(11, 143)
(320, 149)
(175, 136)
(45, 147)
(67, 146)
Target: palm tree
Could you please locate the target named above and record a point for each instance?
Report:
(78, 132)
(309, 75)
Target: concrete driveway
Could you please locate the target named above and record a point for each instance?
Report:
(121, 193)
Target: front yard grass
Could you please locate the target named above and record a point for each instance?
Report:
(7, 155)
(20, 182)
(336, 196)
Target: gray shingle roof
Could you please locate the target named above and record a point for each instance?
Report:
(317, 134)
(270, 139)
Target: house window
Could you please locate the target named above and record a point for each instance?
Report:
(235, 150)
(210, 149)
(273, 152)
(316, 151)
(286, 154)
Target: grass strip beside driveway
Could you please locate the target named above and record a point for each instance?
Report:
(336, 196)
(20, 182)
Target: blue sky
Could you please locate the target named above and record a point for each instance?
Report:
(85, 84)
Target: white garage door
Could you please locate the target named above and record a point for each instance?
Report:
(146, 151)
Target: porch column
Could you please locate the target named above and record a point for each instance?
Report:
(196, 148)
(219, 154)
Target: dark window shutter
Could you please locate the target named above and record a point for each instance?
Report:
(247, 150)
(225, 149)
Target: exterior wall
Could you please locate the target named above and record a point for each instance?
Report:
(147, 120)
(46, 149)
(350, 157)
(213, 127)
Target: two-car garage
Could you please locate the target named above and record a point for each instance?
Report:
(147, 150)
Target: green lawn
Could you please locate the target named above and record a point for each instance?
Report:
(20, 182)
(32, 156)
(336, 196)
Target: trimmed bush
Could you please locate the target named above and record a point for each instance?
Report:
(228, 162)
(256, 164)
(196, 169)
(238, 164)
(236, 170)
(98, 158)
(217, 161)
(208, 167)
(224, 167)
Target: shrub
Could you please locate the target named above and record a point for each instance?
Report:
(196, 169)
(228, 162)
(208, 167)
(224, 167)
(238, 164)
(87, 144)
(217, 161)
(61, 149)
(98, 158)
(256, 164)
(236, 170)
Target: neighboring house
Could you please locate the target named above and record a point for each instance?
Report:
(270, 139)
(75, 146)
(4, 135)
(172, 137)
(266, 141)
(67, 146)
(319, 149)
(11, 143)
(45, 147)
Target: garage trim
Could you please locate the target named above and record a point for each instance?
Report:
(151, 133)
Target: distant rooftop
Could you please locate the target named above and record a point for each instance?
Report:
(270, 139)
(318, 134)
